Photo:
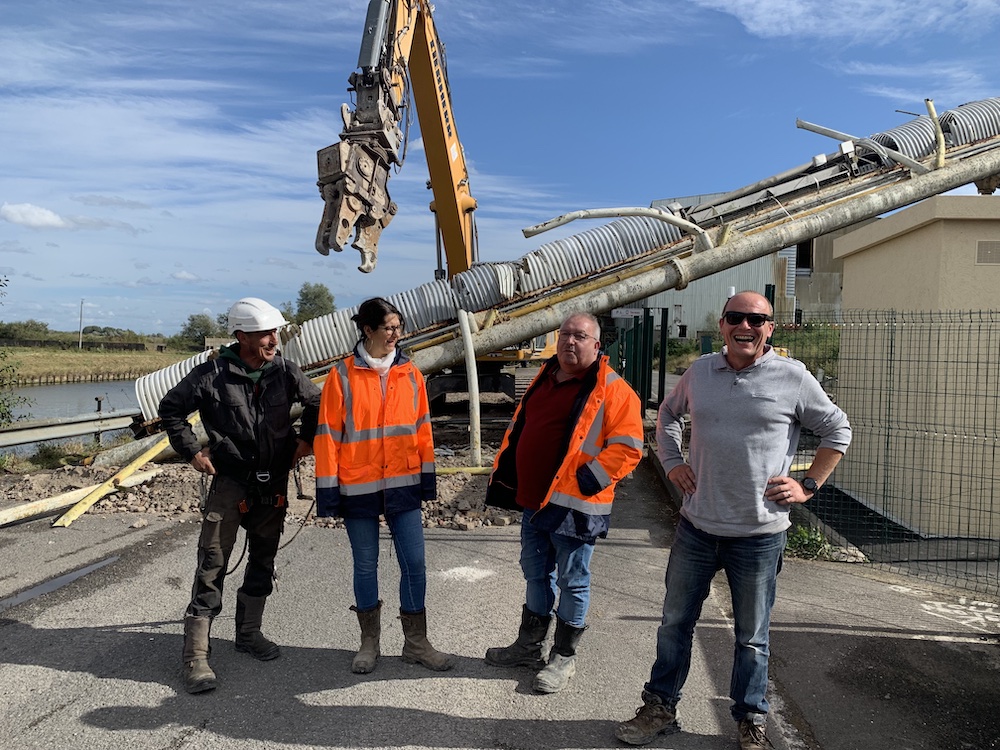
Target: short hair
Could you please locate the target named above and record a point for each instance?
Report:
(373, 312)
(587, 316)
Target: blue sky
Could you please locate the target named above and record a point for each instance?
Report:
(157, 157)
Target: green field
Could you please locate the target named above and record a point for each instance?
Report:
(42, 364)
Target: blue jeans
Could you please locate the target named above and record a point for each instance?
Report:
(407, 532)
(752, 565)
(551, 563)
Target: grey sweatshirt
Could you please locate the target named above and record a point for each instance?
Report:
(745, 427)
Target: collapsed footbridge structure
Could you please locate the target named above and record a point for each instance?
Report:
(646, 250)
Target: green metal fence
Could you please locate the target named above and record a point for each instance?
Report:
(919, 490)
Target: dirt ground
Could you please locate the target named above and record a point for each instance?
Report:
(176, 489)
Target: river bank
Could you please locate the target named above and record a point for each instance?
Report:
(38, 366)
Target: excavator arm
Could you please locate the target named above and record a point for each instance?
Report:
(400, 53)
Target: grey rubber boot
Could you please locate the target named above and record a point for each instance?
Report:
(416, 648)
(370, 621)
(562, 660)
(198, 675)
(526, 651)
(249, 639)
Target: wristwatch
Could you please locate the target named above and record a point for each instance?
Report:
(809, 484)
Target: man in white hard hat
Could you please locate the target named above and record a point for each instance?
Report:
(244, 397)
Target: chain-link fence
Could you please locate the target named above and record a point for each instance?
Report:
(918, 489)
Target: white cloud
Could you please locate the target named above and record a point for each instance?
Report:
(876, 21)
(184, 276)
(35, 217)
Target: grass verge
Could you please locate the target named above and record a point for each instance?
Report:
(31, 364)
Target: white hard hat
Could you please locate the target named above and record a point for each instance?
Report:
(251, 314)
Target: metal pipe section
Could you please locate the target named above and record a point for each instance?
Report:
(610, 213)
(743, 192)
(940, 147)
(472, 376)
(906, 161)
(618, 291)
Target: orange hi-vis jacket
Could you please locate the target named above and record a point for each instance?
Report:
(374, 454)
(604, 442)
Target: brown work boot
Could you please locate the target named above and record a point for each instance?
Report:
(651, 719)
(752, 736)
(370, 621)
(197, 674)
(416, 648)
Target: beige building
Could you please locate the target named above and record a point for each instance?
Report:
(940, 254)
(924, 393)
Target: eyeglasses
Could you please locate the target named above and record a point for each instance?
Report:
(392, 329)
(577, 336)
(754, 319)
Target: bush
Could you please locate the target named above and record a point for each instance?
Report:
(808, 543)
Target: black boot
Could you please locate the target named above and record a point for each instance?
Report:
(198, 675)
(562, 660)
(526, 651)
(249, 616)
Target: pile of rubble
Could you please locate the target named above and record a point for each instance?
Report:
(174, 491)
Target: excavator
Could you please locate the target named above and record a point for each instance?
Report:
(402, 57)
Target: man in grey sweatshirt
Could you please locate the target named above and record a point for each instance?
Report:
(747, 407)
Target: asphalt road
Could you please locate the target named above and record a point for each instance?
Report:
(859, 659)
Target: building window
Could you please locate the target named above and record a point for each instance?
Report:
(804, 258)
(988, 252)
(682, 331)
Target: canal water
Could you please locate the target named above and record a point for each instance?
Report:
(73, 399)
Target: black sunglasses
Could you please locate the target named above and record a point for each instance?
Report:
(754, 319)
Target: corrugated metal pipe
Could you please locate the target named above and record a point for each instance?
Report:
(668, 273)
(654, 212)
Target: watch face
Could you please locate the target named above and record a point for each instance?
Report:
(810, 484)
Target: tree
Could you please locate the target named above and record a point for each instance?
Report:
(25, 330)
(200, 327)
(9, 400)
(314, 300)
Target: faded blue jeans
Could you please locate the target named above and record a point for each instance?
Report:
(407, 531)
(553, 563)
(752, 565)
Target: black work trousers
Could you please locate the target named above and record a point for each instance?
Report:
(222, 519)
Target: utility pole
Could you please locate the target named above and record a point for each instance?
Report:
(81, 325)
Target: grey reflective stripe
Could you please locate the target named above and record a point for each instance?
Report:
(415, 390)
(427, 467)
(422, 420)
(324, 429)
(599, 473)
(326, 483)
(627, 440)
(376, 433)
(411, 480)
(345, 388)
(583, 506)
(590, 445)
(400, 430)
(612, 377)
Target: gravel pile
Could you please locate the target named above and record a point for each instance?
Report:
(175, 490)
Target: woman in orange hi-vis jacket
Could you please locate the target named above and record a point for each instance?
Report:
(375, 457)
